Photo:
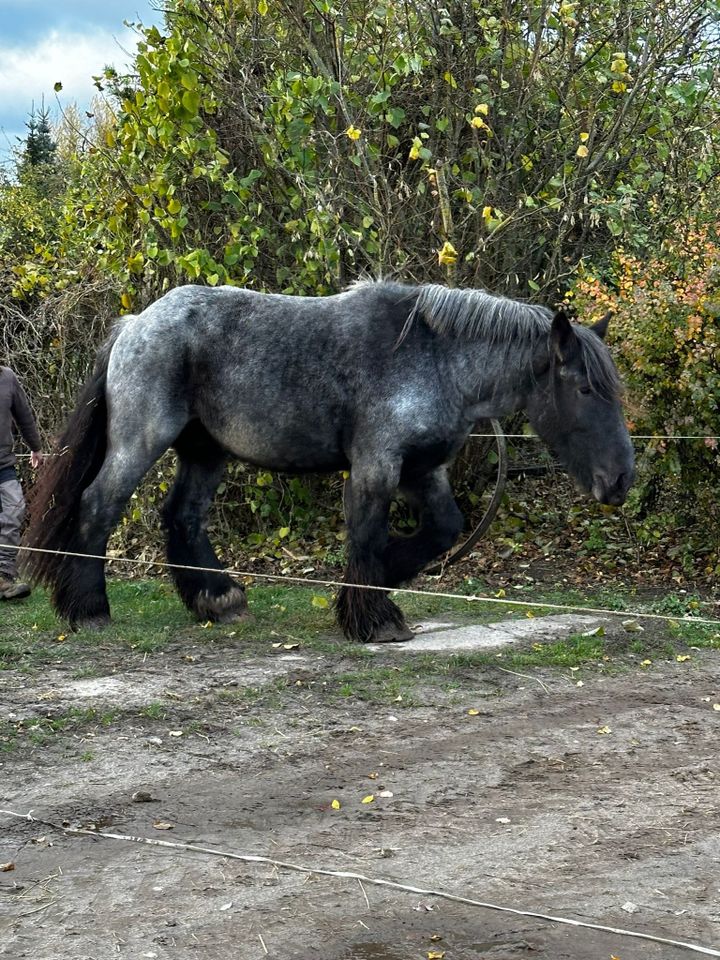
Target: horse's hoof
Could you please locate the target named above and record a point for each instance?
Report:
(228, 607)
(392, 633)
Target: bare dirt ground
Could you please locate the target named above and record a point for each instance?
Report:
(597, 802)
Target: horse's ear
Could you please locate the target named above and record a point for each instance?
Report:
(562, 337)
(601, 327)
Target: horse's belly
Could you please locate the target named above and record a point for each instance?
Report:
(285, 448)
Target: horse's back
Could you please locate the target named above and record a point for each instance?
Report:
(278, 380)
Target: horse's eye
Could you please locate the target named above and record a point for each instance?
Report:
(585, 390)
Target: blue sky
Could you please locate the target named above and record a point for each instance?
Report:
(67, 41)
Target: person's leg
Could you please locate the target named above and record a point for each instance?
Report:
(12, 512)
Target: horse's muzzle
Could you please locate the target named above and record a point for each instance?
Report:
(612, 490)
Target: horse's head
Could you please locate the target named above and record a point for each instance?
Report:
(574, 406)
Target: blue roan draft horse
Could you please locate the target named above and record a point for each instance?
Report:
(386, 380)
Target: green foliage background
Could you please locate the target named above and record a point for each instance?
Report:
(297, 145)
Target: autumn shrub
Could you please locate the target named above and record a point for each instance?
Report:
(666, 336)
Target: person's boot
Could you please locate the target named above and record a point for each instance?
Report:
(13, 589)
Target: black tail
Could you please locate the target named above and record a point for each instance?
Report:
(54, 500)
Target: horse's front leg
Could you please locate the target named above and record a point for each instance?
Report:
(440, 524)
(369, 615)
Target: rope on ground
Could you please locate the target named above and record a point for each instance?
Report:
(468, 597)
(361, 878)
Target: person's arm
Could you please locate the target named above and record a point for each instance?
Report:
(23, 417)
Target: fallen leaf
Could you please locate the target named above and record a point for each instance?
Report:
(320, 601)
(435, 937)
(163, 825)
(502, 819)
(579, 684)
(472, 712)
(373, 775)
(682, 657)
(435, 954)
(597, 632)
(175, 733)
(386, 794)
(335, 804)
(370, 798)
(632, 626)
(646, 663)
(604, 730)
(716, 706)
(7, 867)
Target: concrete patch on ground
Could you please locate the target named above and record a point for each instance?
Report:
(435, 636)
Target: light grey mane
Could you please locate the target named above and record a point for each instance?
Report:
(478, 315)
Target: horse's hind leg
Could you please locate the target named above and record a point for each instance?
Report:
(440, 525)
(210, 595)
(369, 615)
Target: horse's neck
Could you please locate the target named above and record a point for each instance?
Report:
(494, 378)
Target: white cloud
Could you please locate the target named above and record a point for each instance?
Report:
(29, 73)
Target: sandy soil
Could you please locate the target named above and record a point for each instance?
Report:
(523, 803)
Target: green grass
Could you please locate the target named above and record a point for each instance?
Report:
(148, 616)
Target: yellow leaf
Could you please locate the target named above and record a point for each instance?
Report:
(370, 798)
(603, 730)
(529, 614)
(646, 663)
(482, 108)
(478, 123)
(174, 206)
(318, 601)
(716, 706)
(449, 78)
(619, 87)
(354, 133)
(584, 137)
(500, 593)
(335, 804)
(472, 712)
(447, 254)
(126, 301)
(487, 213)
(682, 657)
(582, 151)
(435, 954)
(61, 637)
(262, 7)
